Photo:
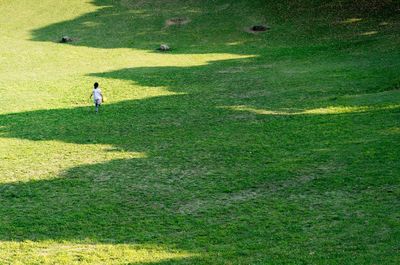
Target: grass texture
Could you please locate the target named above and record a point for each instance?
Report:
(279, 147)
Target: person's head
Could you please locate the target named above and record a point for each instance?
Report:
(96, 85)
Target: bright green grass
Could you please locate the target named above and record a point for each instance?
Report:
(234, 148)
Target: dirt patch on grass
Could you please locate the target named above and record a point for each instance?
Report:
(250, 94)
(242, 69)
(256, 29)
(223, 200)
(177, 21)
(232, 70)
(228, 199)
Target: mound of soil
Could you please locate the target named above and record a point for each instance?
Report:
(176, 21)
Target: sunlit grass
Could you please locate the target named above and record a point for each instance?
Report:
(352, 20)
(69, 253)
(369, 33)
(317, 111)
(37, 75)
(24, 160)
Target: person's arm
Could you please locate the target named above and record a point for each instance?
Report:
(102, 98)
(91, 94)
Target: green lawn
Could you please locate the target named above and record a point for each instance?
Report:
(280, 147)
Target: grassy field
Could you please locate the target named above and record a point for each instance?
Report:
(279, 147)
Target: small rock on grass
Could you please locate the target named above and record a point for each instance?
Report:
(260, 28)
(66, 39)
(164, 48)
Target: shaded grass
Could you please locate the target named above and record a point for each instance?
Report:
(188, 162)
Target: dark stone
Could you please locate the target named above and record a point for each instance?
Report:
(66, 39)
(259, 28)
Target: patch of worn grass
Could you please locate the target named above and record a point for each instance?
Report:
(234, 148)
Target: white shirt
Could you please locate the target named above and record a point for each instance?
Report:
(97, 94)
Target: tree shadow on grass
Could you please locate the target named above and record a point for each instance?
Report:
(215, 181)
(131, 201)
(142, 25)
(204, 186)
